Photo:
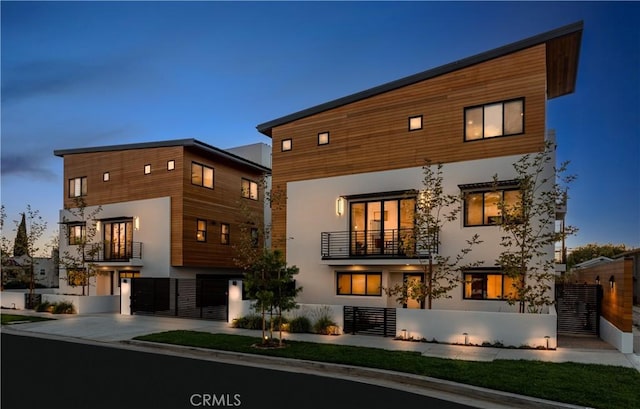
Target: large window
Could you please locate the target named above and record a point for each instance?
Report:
(78, 187)
(496, 119)
(359, 284)
(381, 226)
(201, 175)
(76, 233)
(249, 189)
(118, 239)
(494, 285)
(482, 208)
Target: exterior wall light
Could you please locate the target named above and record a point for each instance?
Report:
(136, 223)
(340, 206)
(612, 282)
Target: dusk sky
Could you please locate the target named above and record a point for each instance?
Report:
(80, 74)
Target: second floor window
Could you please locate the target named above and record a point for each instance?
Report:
(201, 175)
(76, 233)
(201, 230)
(249, 189)
(496, 119)
(78, 187)
(484, 208)
(224, 233)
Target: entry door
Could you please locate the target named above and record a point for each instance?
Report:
(413, 278)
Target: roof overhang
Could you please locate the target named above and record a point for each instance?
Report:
(187, 143)
(562, 53)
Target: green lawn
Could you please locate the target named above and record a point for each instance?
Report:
(12, 318)
(598, 386)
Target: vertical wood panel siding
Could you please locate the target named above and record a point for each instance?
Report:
(372, 134)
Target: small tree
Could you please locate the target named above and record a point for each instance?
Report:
(441, 273)
(528, 227)
(4, 247)
(267, 278)
(78, 262)
(29, 231)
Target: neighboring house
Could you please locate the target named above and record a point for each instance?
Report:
(45, 271)
(168, 209)
(352, 169)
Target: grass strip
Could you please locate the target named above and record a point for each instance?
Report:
(12, 318)
(592, 385)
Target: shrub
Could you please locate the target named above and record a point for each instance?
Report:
(300, 324)
(63, 307)
(324, 325)
(277, 322)
(252, 321)
(45, 306)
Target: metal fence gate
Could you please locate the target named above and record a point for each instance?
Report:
(205, 298)
(578, 309)
(370, 321)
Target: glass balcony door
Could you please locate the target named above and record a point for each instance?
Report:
(118, 240)
(376, 226)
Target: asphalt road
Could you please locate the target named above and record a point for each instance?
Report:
(40, 373)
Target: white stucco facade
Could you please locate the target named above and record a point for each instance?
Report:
(151, 228)
(311, 210)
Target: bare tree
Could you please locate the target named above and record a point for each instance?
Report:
(441, 274)
(80, 232)
(528, 227)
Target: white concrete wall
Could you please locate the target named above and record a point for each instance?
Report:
(87, 305)
(311, 210)
(154, 233)
(510, 329)
(12, 299)
(623, 341)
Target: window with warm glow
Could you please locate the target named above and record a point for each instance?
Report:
(76, 233)
(224, 233)
(147, 169)
(495, 119)
(106, 177)
(487, 286)
(249, 189)
(78, 187)
(323, 138)
(171, 165)
(286, 145)
(201, 230)
(483, 208)
(201, 175)
(415, 123)
(359, 284)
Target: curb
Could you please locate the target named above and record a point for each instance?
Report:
(457, 392)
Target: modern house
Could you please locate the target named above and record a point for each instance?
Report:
(352, 169)
(157, 213)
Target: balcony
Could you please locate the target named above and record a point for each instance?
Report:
(110, 252)
(372, 244)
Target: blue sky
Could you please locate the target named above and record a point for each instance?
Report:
(78, 74)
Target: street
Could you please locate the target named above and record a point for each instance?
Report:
(40, 373)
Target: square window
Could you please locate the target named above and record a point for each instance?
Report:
(171, 165)
(286, 145)
(249, 189)
(323, 138)
(415, 123)
(105, 177)
(147, 169)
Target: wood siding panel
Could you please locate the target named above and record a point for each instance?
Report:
(372, 134)
(188, 202)
(218, 205)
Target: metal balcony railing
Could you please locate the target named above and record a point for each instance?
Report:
(394, 243)
(108, 251)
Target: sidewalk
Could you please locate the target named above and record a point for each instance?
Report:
(116, 327)
(119, 330)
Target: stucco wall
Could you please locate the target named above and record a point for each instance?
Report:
(312, 210)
